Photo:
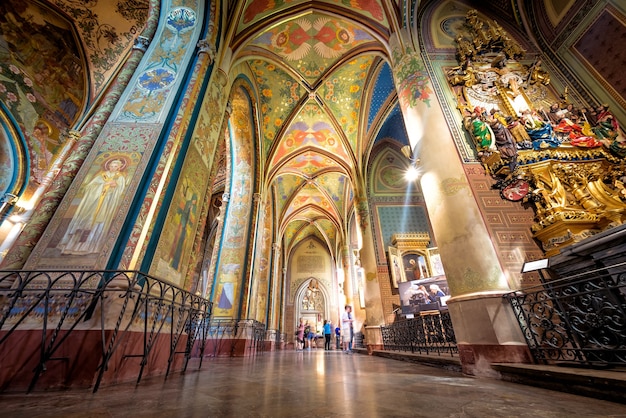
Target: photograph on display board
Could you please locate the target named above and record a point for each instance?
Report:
(424, 295)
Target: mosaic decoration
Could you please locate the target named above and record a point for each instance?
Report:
(7, 162)
(86, 232)
(342, 93)
(237, 220)
(210, 120)
(147, 100)
(262, 261)
(173, 251)
(277, 99)
(42, 80)
(312, 43)
(256, 10)
(107, 30)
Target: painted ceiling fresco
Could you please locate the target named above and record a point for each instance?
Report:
(313, 70)
(276, 101)
(256, 11)
(312, 128)
(311, 44)
(107, 30)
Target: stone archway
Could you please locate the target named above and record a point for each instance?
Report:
(312, 304)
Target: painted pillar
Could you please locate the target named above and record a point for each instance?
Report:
(46, 207)
(283, 299)
(370, 286)
(137, 246)
(232, 279)
(348, 281)
(255, 284)
(484, 324)
(275, 294)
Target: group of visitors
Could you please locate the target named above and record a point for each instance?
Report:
(306, 336)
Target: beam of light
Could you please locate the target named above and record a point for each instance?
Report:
(412, 173)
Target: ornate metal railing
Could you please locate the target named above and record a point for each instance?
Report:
(579, 319)
(429, 333)
(58, 303)
(225, 333)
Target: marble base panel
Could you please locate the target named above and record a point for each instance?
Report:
(372, 347)
(231, 347)
(75, 363)
(476, 359)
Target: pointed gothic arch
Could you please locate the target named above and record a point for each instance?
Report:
(312, 302)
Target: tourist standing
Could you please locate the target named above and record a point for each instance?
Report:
(327, 333)
(347, 329)
(300, 336)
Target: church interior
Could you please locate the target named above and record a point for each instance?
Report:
(182, 179)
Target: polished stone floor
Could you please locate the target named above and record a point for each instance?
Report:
(306, 385)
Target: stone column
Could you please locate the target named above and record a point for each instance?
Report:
(484, 324)
(274, 298)
(374, 315)
(251, 289)
(348, 288)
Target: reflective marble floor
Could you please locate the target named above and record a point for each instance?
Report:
(306, 385)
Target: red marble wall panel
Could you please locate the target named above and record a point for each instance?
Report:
(508, 224)
(601, 48)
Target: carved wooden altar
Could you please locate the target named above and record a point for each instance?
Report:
(570, 170)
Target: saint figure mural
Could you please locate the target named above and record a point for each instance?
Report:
(186, 215)
(101, 197)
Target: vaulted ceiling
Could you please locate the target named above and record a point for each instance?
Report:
(316, 65)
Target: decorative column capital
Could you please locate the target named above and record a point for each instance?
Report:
(8, 198)
(141, 43)
(225, 197)
(74, 135)
(204, 47)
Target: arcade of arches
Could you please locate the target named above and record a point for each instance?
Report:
(253, 153)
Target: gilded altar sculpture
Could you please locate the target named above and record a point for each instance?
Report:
(564, 158)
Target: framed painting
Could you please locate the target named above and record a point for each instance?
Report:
(434, 259)
(395, 267)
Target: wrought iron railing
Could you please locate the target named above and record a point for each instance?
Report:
(428, 333)
(578, 319)
(224, 334)
(58, 303)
